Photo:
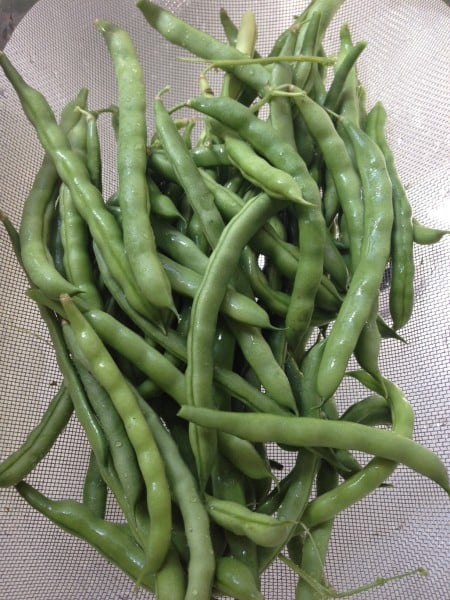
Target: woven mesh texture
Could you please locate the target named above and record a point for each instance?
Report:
(406, 66)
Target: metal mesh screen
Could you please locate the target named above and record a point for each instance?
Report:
(405, 65)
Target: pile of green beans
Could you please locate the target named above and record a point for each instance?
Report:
(207, 311)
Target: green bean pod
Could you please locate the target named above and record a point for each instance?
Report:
(112, 540)
(260, 358)
(39, 441)
(262, 529)
(233, 578)
(363, 289)
(101, 364)
(427, 235)
(401, 291)
(77, 260)
(274, 182)
(132, 166)
(201, 563)
(95, 491)
(310, 432)
(315, 542)
(73, 172)
(187, 174)
(202, 44)
(239, 307)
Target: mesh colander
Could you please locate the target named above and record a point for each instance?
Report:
(406, 65)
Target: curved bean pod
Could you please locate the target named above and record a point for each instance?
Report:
(310, 432)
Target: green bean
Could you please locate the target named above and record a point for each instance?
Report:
(117, 463)
(401, 291)
(371, 476)
(75, 240)
(259, 356)
(100, 363)
(35, 256)
(348, 105)
(276, 301)
(228, 483)
(337, 160)
(262, 529)
(310, 432)
(229, 28)
(293, 502)
(93, 150)
(307, 42)
(373, 410)
(243, 456)
(327, 10)
(221, 265)
(358, 302)
(245, 43)
(122, 452)
(343, 70)
(235, 305)
(170, 581)
(147, 359)
(162, 205)
(195, 230)
(235, 579)
(213, 155)
(179, 246)
(301, 480)
(13, 236)
(280, 107)
(202, 44)
(73, 172)
(316, 541)
(187, 173)
(275, 182)
(427, 235)
(39, 441)
(95, 491)
(367, 348)
(112, 540)
(184, 488)
(134, 199)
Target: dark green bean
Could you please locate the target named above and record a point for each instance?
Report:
(95, 492)
(373, 410)
(39, 441)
